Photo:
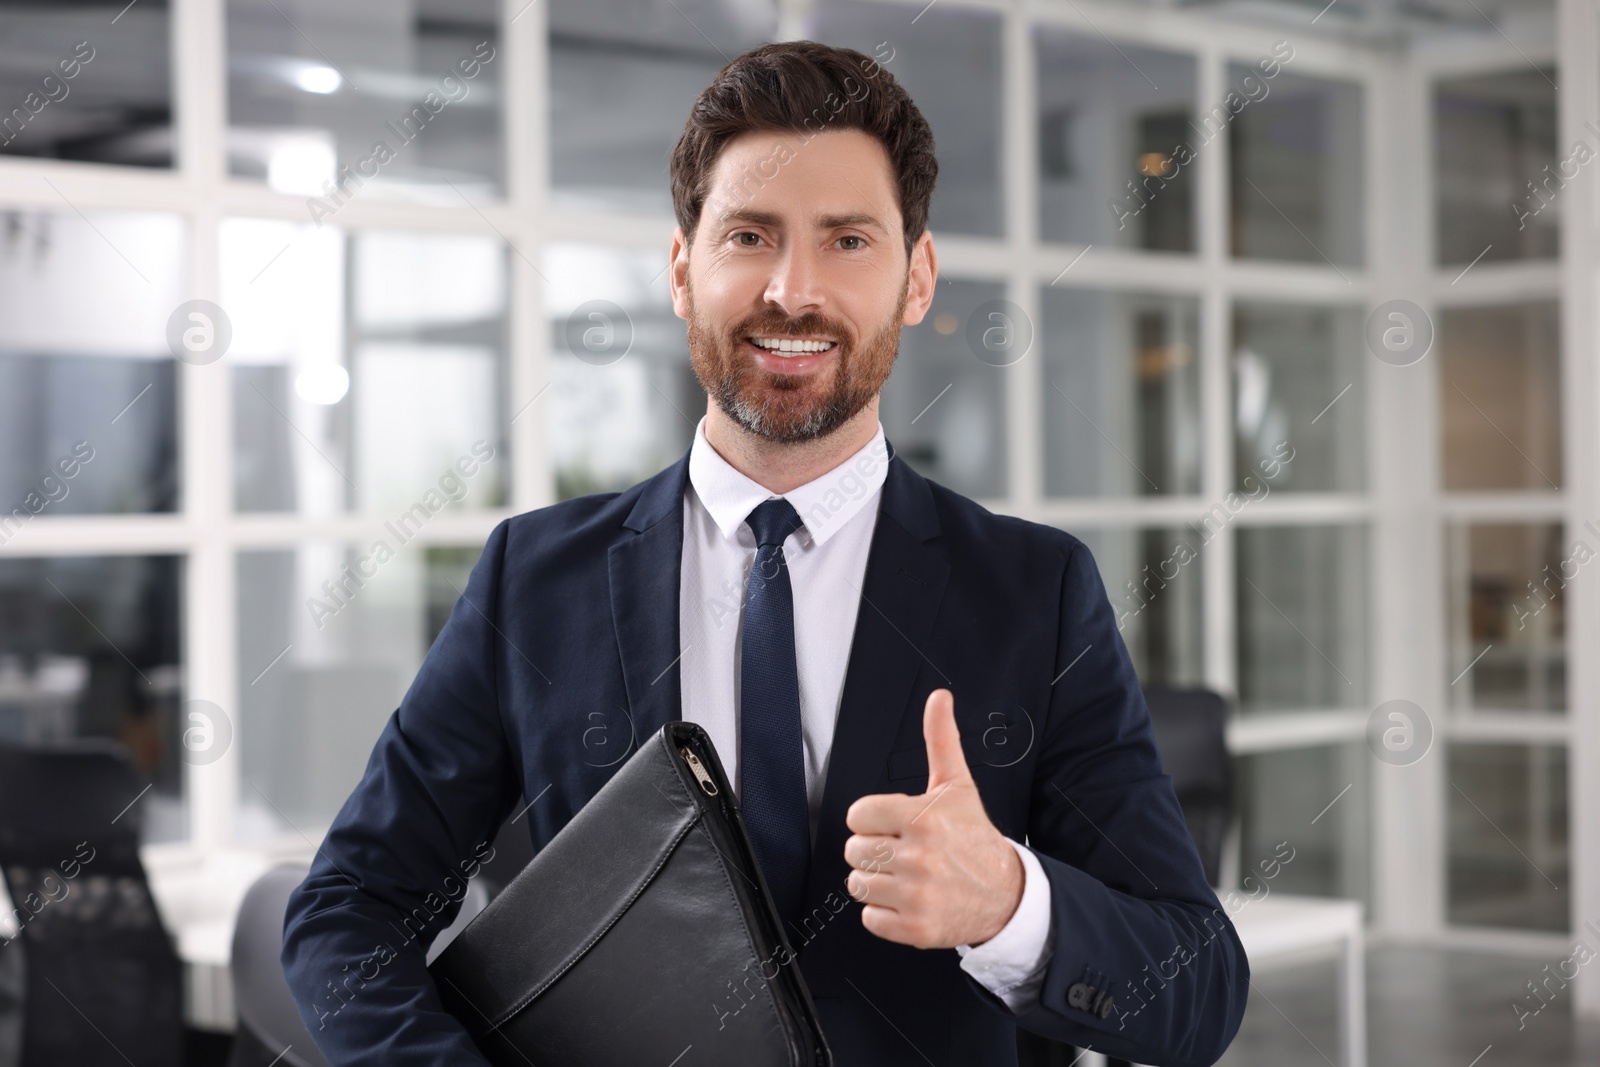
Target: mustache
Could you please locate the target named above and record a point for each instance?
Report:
(781, 327)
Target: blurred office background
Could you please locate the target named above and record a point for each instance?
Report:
(1190, 211)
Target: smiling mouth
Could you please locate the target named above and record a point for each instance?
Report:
(792, 347)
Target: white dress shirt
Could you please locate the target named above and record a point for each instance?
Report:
(827, 562)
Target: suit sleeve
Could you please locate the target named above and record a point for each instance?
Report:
(1145, 963)
(392, 871)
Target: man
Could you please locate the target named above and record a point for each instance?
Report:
(936, 735)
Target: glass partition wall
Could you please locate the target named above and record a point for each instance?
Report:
(1510, 542)
(291, 327)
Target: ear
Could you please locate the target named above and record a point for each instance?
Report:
(922, 276)
(678, 272)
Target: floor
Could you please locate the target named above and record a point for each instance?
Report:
(1425, 1008)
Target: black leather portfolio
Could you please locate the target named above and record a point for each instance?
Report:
(642, 933)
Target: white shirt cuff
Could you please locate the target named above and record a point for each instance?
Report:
(1011, 964)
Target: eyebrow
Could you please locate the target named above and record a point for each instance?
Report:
(827, 222)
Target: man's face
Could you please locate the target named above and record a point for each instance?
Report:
(799, 246)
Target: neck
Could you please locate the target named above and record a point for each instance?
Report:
(780, 467)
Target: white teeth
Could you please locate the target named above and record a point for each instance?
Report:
(788, 345)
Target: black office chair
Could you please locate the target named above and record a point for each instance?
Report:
(1191, 727)
(270, 1028)
(1191, 733)
(92, 978)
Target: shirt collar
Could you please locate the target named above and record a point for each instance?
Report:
(825, 503)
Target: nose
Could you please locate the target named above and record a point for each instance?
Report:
(796, 283)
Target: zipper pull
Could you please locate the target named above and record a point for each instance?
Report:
(700, 773)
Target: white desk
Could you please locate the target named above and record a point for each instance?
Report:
(1283, 927)
(198, 898)
(199, 901)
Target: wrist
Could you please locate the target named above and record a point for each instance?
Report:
(1013, 879)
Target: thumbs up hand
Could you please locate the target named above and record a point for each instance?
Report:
(932, 871)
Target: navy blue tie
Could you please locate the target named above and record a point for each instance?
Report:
(772, 770)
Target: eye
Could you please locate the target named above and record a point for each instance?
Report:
(742, 234)
(860, 242)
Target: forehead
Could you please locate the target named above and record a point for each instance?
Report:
(803, 175)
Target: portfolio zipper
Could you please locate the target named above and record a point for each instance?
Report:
(700, 773)
(726, 843)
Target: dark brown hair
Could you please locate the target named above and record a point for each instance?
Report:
(805, 87)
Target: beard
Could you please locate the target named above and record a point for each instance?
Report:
(789, 408)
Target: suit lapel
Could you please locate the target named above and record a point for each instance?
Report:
(645, 572)
(901, 590)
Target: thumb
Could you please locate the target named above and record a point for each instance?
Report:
(946, 762)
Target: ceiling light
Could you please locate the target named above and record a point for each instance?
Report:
(324, 384)
(322, 80)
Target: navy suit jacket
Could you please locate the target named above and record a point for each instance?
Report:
(570, 622)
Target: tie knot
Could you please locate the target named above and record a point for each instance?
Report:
(772, 521)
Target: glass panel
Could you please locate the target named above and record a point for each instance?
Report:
(88, 394)
(943, 407)
(1295, 164)
(1500, 397)
(1303, 622)
(622, 80)
(1152, 578)
(1299, 398)
(1115, 143)
(329, 100)
(1121, 407)
(1507, 630)
(950, 64)
(330, 636)
(366, 368)
(1304, 824)
(624, 400)
(1493, 137)
(90, 647)
(87, 81)
(1508, 858)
